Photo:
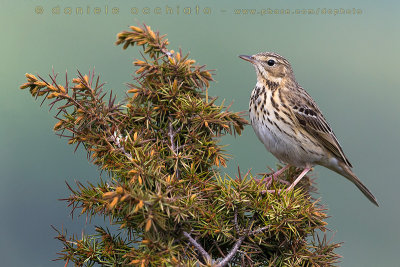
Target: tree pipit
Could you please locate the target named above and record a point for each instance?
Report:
(289, 123)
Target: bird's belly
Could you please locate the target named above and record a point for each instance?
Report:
(286, 148)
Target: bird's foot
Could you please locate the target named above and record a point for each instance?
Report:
(268, 178)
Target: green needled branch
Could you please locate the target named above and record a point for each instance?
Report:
(166, 191)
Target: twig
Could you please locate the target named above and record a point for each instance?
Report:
(232, 253)
(174, 147)
(171, 135)
(235, 247)
(165, 51)
(202, 251)
(235, 221)
(219, 249)
(244, 254)
(239, 242)
(116, 139)
(259, 230)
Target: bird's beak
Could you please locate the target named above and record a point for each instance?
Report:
(247, 58)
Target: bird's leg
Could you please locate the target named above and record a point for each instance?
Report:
(302, 174)
(275, 175)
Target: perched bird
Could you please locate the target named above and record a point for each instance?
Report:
(289, 123)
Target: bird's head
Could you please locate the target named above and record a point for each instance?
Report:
(270, 66)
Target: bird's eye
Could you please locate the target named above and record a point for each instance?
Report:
(271, 62)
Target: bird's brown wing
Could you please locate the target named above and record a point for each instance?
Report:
(311, 119)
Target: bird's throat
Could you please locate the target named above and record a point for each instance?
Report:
(268, 84)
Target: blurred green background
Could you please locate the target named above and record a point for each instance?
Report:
(348, 63)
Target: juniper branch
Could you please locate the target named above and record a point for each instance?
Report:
(179, 131)
(232, 253)
(116, 139)
(240, 240)
(172, 134)
(199, 248)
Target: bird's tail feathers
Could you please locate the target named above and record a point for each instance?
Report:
(348, 173)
